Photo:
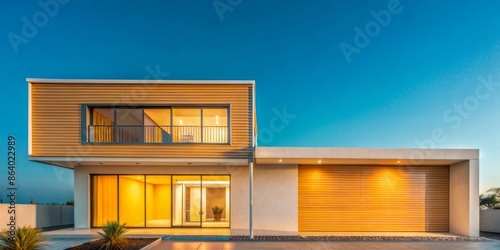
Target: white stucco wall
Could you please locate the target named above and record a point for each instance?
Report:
(37, 215)
(464, 198)
(490, 221)
(239, 187)
(276, 199)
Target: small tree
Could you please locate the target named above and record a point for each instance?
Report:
(113, 236)
(27, 238)
(488, 199)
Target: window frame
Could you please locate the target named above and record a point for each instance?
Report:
(86, 120)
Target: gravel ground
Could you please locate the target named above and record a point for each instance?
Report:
(133, 244)
(356, 238)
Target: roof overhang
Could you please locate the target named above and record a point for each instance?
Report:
(362, 156)
(72, 162)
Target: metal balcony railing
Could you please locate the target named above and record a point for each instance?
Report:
(157, 134)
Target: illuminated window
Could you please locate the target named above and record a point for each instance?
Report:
(131, 200)
(156, 124)
(187, 125)
(158, 200)
(161, 200)
(104, 203)
(215, 125)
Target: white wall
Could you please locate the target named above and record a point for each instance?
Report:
(490, 221)
(239, 187)
(37, 215)
(276, 199)
(464, 198)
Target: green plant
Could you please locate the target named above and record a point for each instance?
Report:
(217, 212)
(26, 238)
(113, 236)
(70, 203)
(488, 199)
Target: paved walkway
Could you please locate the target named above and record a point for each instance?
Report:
(66, 240)
(61, 244)
(167, 245)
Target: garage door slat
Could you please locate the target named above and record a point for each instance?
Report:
(373, 198)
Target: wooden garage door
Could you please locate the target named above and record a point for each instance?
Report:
(373, 198)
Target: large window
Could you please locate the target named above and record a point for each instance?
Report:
(161, 200)
(157, 124)
(104, 199)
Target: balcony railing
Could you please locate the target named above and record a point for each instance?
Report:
(157, 134)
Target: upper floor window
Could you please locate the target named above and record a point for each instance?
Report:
(162, 124)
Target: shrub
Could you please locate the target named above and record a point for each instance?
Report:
(488, 199)
(27, 238)
(113, 236)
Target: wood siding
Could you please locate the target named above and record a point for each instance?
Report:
(374, 198)
(56, 118)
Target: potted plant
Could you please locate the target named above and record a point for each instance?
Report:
(217, 212)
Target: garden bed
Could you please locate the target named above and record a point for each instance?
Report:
(132, 244)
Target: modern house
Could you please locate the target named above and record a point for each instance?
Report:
(164, 153)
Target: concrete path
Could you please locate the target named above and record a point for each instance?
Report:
(167, 245)
(61, 244)
(68, 241)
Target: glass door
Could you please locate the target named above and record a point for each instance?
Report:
(187, 202)
(216, 196)
(200, 201)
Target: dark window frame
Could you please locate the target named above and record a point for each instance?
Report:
(87, 121)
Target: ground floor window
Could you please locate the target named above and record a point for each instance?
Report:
(161, 200)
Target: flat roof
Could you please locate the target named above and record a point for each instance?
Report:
(136, 81)
(362, 156)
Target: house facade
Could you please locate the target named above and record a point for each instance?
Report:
(167, 153)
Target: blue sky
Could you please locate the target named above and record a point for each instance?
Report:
(413, 68)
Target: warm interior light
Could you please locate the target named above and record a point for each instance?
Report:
(280, 160)
(180, 122)
(398, 162)
(205, 182)
(217, 119)
(138, 177)
(319, 161)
